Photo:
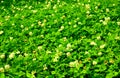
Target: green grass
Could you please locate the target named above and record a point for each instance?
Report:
(60, 39)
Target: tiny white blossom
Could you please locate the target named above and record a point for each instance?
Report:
(13, 24)
(44, 67)
(43, 24)
(107, 10)
(26, 28)
(39, 47)
(87, 6)
(34, 11)
(117, 37)
(100, 53)
(34, 59)
(93, 43)
(118, 23)
(96, 7)
(61, 28)
(101, 20)
(11, 55)
(79, 23)
(74, 63)
(107, 19)
(64, 38)
(22, 26)
(2, 69)
(94, 63)
(88, 12)
(55, 59)
(98, 37)
(30, 7)
(113, 4)
(102, 46)
(86, 52)
(68, 54)
(1, 32)
(18, 52)
(48, 52)
(2, 56)
(69, 45)
(11, 38)
(39, 22)
(25, 54)
(104, 22)
(7, 67)
(75, 26)
(30, 33)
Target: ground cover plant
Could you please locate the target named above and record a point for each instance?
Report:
(59, 39)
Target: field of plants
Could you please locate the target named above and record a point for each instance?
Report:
(59, 38)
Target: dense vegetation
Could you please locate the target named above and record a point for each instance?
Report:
(60, 39)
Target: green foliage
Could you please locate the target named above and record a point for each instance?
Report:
(59, 39)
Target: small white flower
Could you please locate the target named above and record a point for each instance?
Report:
(104, 22)
(68, 54)
(61, 28)
(26, 28)
(48, 52)
(11, 38)
(100, 53)
(30, 33)
(82, 4)
(102, 46)
(34, 11)
(75, 26)
(117, 37)
(94, 63)
(7, 67)
(107, 19)
(74, 63)
(2, 1)
(113, 4)
(30, 7)
(22, 26)
(87, 6)
(2, 69)
(54, 7)
(93, 43)
(11, 55)
(55, 59)
(18, 52)
(69, 23)
(98, 37)
(13, 24)
(79, 23)
(34, 59)
(43, 24)
(107, 10)
(44, 20)
(69, 45)
(39, 23)
(39, 47)
(32, 25)
(44, 67)
(64, 38)
(2, 56)
(96, 7)
(86, 52)
(1, 32)
(25, 54)
(118, 23)
(88, 12)
(101, 20)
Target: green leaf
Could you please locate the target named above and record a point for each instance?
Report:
(2, 75)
